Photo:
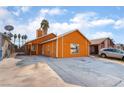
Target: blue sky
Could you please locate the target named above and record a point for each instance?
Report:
(93, 22)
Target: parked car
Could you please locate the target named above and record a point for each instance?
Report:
(112, 52)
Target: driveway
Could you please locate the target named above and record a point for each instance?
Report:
(85, 71)
(13, 73)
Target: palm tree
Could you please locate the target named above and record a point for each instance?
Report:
(22, 38)
(15, 36)
(19, 36)
(25, 37)
(45, 25)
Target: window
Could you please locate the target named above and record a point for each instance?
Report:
(33, 48)
(74, 48)
(114, 50)
(119, 51)
(109, 50)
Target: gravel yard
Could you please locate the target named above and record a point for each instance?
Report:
(84, 71)
(14, 74)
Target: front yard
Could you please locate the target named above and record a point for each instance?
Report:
(46, 71)
(13, 73)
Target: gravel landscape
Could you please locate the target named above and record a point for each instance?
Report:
(41, 71)
(14, 74)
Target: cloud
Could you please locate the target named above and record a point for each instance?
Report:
(84, 21)
(4, 13)
(60, 28)
(17, 12)
(5, 18)
(102, 22)
(119, 24)
(79, 21)
(53, 11)
(101, 35)
(79, 17)
(25, 8)
(20, 10)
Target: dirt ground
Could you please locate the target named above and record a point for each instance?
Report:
(34, 75)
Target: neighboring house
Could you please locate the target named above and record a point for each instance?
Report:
(98, 44)
(70, 44)
(6, 46)
(119, 46)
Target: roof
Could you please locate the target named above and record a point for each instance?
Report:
(98, 41)
(65, 35)
(41, 37)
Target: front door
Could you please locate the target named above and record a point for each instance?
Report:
(96, 49)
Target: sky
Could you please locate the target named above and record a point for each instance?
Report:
(93, 21)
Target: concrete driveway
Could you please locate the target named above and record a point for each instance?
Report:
(85, 71)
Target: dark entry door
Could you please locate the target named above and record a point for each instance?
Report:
(96, 50)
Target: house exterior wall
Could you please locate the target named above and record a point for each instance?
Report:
(49, 49)
(64, 49)
(36, 43)
(61, 47)
(107, 43)
(39, 40)
(119, 46)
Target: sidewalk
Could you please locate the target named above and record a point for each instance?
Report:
(116, 61)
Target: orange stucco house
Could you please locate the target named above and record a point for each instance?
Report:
(70, 44)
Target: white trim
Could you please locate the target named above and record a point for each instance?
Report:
(48, 40)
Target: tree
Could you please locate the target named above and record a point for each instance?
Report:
(15, 36)
(25, 38)
(19, 37)
(22, 39)
(45, 25)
